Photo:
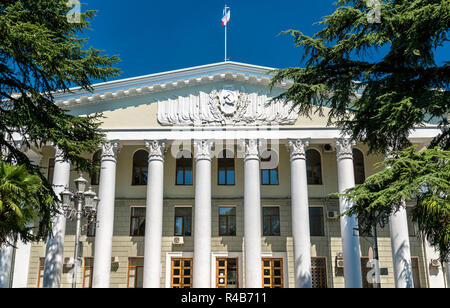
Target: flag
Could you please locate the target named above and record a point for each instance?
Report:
(226, 16)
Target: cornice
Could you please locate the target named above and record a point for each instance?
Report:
(160, 82)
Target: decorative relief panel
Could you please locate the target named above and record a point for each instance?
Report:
(227, 106)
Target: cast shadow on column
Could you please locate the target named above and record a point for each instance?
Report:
(406, 268)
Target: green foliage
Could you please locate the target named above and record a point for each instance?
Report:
(375, 102)
(380, 81)
(23, 199)
(421, 177)
(41, 57)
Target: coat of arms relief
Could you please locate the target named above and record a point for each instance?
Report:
(226, 106)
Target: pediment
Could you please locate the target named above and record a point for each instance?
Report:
(168, 81)
(227, 93)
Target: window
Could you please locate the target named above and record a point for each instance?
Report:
(135, 273)
(51, 169)
(313, 167)
(272, 273)
(358, 166)
(184, 168)
(271, 221)
(226, 168)
(140, 167)
(183, 221)
(269, 168)
(411, 223)
(137, 225)
(40, 278)
(91, 227)
(415, 272)
(364, 271)
(96, 161)
(181, 273)
(227, 221)
(227, 273)
(88, 272)
(316, 221)
(318, 272)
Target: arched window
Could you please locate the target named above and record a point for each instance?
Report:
(96, 160)
(184, 168)
(226, 171)
(313, 167)
(358, 166)
(140, 167)
(269, 168)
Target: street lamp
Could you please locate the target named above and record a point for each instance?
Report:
(89, 210)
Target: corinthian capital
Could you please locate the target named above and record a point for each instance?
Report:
(251, 149)
(202, 149)
(297, 148)
(156, 149)
(110, 149)
(59, 155)
(344, 148)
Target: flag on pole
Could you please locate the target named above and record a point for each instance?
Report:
(226, 16)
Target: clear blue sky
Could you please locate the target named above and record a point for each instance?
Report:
(155, 36)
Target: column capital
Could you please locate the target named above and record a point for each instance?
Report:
(202, 149)
(156, 149)
(110, 150)
(251, 148)
(297, 148)
(59, 155)
(344, 148)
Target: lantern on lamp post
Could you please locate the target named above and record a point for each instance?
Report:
(75, 205)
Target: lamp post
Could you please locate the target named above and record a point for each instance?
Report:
(72, 205)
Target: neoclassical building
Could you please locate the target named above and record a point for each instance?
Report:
(206, 182)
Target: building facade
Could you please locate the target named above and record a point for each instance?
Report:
(203, 183)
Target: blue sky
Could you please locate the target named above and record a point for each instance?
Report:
(157, 36)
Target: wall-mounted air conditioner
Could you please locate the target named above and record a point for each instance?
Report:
(332, 214)
(114, 260)
(178, 240)
(435, 262)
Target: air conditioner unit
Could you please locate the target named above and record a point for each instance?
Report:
(435, 262)
(178, 240)
(115, 260)
(69, 261)
(340, 263)
(332, 214)
(340, 255)
(328, 148)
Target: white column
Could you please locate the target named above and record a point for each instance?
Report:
(23, 251)
(401, 253)
(252, 215)
(300, 214)
(435, 273)
(202, 214)
(447, 270)
(154, 214)
(105, 216)
(6, 263)
(349, 224)
(55, 245)
(21, 265)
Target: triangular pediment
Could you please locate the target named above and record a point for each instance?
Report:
(169, 81)
(227, 93)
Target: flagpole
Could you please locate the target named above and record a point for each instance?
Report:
(226, 24)
(226, 59)
(226, 43)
